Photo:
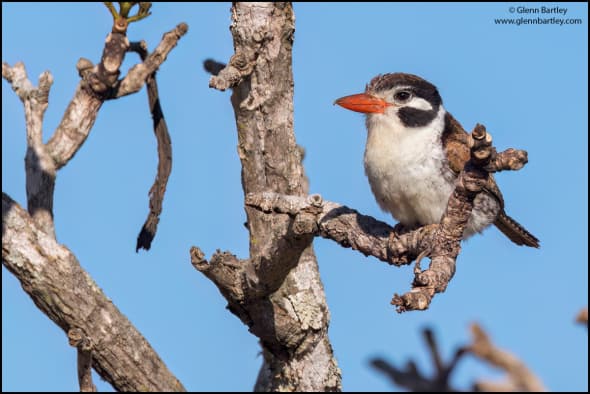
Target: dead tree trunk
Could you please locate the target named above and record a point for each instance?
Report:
(277, 292)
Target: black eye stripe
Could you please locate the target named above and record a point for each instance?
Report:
(402, 95)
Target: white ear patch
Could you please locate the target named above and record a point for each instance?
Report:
(419, 103)
(414, 102)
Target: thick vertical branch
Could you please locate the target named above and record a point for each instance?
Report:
(278, 292)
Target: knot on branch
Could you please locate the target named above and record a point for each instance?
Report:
(269, 202)
(240, 66)
(78, 339)
(230, 275)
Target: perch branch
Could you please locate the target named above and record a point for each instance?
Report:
(333, 221)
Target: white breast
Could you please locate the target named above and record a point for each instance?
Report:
(405, 168)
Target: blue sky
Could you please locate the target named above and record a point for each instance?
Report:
(528, 84)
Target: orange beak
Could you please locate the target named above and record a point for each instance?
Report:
(364, 103)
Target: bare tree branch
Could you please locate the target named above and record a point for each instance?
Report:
(84, 346)
(520, 378)
(51, 275)
(99, 84)
(138, 74)
(158, 189)
(344, 225)
(277, 292)
(40, 168)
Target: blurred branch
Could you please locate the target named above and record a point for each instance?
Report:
(582, 317)
(412, 379)
(519, 377)
(213, 67)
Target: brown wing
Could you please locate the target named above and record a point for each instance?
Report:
(456, 144)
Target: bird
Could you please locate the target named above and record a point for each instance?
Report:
(414, 153)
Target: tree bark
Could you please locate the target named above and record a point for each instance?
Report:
(57, 284)
(277, 292)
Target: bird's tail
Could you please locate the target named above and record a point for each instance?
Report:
(515, 231)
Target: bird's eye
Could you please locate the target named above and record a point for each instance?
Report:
(402, 96)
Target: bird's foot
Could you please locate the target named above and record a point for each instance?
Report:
(399, 252)
(406, 244)
(400, 229)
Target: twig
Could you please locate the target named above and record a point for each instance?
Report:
(158, 189)
(99, 84)
(83, 344)
(138, 74)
